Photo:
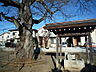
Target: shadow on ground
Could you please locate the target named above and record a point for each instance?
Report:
(36, 53)
(89, 68)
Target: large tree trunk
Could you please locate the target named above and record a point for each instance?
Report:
(25, 47)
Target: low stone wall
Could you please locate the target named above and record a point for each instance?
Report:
(8, 49)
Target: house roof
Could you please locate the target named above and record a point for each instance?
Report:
(4, 33)
(13, 30)
(18, 30)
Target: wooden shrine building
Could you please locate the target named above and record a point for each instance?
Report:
(73, 29)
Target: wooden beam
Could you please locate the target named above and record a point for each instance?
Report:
(73, 30)
(69, 25)
(79, 23)
(73, 34)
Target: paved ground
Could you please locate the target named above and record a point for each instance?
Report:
(43, 64)
(7, 64)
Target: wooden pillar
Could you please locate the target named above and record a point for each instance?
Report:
(87, 52)
(57, 52)
(60, 40)
(90, 49)
(60, 49)
(75, 41)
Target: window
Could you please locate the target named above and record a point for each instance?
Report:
(13, 33)
(7, 36)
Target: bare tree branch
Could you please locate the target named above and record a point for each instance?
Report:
(41, 19)
(15, 21)
(39, 8)
(11, 19)
(83, 6)
(48, 10)
(45, 6)
(31, 2)
(11, 3)
(6, 17)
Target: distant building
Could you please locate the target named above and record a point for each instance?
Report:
(46, 38)
(4, 37)
(13, 35)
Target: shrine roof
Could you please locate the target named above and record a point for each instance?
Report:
(70, 24)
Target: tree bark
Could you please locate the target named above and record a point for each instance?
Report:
(25, 48)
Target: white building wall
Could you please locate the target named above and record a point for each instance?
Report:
(41, 32)
(44, 32)
(93, 35)
(64, 39)
(0, 38)
(82, 40)
(6, 36)
(52, 37)
(16, 34)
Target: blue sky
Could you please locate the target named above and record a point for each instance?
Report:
(57, 17)
(76, 15)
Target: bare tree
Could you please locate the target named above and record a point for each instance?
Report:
(32, 12)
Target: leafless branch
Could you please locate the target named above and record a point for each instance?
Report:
(11, 19)
(84, 7)
(48, 12)
(45, 6)
(31, 2)
(11, 3)
(6, 17)
(39, 8)
(41, 19)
